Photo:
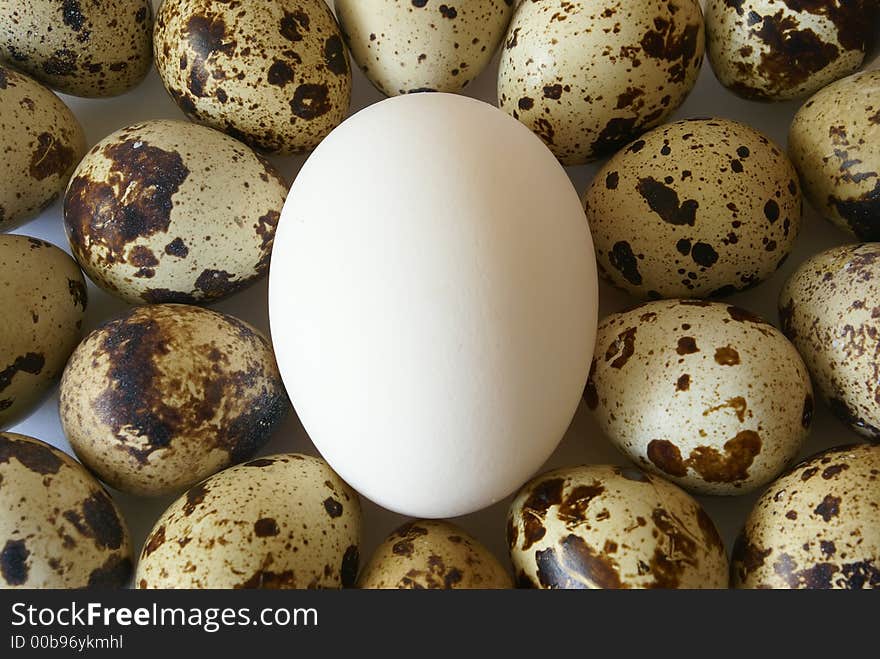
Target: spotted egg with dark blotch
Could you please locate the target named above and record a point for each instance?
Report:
(588, 77)
(59, 528)
(79, 47)
(830, 310)
(168, 211)
(698, 208)
(274, 74)
(405, 47)
(612, 527)
(279, 522)
(776, 50)
(708, 395)
(43, 298)
(834, 142)
(816, 527)
(41, 142)
(433, 555)
(162, 396)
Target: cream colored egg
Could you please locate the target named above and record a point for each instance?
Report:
(434, 323)
(280, 522)
(274, 74)
(693, 209)
(59, 528)
(835, 144)
(405, 47)
(434, 555)
(161, 397)
(79, 47)
(830, 309)
(588, 77)
(706, 394)
(775, 50)
(816, 527)
(168, 211)
(42, 304)
(612, 527)
(41, 142)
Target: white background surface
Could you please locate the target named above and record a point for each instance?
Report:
(582, 444)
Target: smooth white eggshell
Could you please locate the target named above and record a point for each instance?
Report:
(433, 303)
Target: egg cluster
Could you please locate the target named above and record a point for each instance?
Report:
(434, 294)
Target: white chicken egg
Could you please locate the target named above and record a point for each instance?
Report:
(434, 324)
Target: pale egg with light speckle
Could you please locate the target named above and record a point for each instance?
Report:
(406, 47)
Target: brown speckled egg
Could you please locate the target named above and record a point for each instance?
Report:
(612, 527)
(80, 47)
(830, 309)
(816, 527)
(588, 77)
(775, 50)
(693, 209)
(435, 555)
(42, 304)
(405, 47)
(284, 521)
(168, 211)
(708, 395)
(835, 144)
(59, 527)
(165, 395)
(41, 142)
(274, 73)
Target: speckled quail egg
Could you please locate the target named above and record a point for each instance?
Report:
(706, 394)
(59, 528)
(168, 211)
(612, 527)
(165, 395)
(40, 142)
(405, 47)
(775, 50)
(588, 77)
(274, 74)
(80, 47)
(433, 554)
(284, 521)
(693, 209)
(830, 309)
(43, 301)
(816, 527)
(835, 144)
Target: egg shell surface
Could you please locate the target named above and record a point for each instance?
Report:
(79, 47)
(162, 396)
(816, 527)
(588, 77)
(274, 74)
(446, 304)
(404, 47)
(829, 309)
(59, 528)
(433, 555)
(835, 144)
(43, 298)
(708, 395)
(168, 211)
(695, 208)
(612, 527)
(278, 522)
(41, 142)
(776, 50)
